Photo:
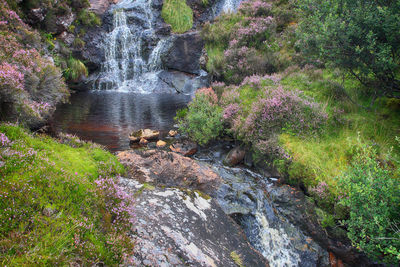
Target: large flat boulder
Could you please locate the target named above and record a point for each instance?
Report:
(169, 169)
(185, 228)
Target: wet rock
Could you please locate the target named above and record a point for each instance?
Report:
(100, 6)
(36, 15)
(143, 141)
(235, 156)
(146, 134)
(300, 211)
(93, 54)
(64, 22)
(185, 148)
(201, 12)
(203, 59)
(184, 53)
(185, 228)
(183, 82)
(67, 38)
(248, 159)
(169, 169)
(172, 133)
(161, 143)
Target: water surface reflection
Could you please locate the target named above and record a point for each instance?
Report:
(107, 118)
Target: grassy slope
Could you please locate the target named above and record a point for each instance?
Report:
(325, 157)
(41, 174)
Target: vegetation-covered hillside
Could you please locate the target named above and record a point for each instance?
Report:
(60, 203)
(36, 61)
(312, 87)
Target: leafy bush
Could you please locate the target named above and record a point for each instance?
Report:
(203, 119)
(79, 43)
(372, 195)
(178, 14)
(358, 36)
(88, 18)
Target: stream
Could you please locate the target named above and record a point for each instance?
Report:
(130, 93)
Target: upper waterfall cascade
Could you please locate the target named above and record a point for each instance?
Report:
(126, 66)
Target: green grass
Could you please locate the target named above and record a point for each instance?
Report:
(237, 259)
(178, 14)
(75, 69)
(40, 174)
(325, 157)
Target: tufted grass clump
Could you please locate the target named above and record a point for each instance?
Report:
(60, 204)
(178, 14)
(75, 70)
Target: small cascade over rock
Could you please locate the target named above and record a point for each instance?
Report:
(230, 5)
(136, 50)
(131, 61)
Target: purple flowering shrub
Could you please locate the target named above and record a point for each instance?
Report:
(323, 195)
(30, 84)
(260, 109)
(250, 42)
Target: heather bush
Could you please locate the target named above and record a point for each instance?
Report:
(247, 43)
(260, 109)
(371, 193)
(30, 84)
(202, 121)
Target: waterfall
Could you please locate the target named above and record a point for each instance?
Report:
(230, 5)
(127, 67)
(118, 53)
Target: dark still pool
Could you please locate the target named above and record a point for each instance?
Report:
(108, 117)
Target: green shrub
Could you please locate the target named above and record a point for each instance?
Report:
(79, 43)
(88, 18)
(178, 14)
(372, 194)
(203, 119)
(357, 36)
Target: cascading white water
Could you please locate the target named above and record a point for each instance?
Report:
(230, 5)
(126, 68)
(118, 53)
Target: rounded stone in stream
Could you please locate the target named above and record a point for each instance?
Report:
(235, 156)
(146, 134)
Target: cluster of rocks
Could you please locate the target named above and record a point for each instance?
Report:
(147, 138)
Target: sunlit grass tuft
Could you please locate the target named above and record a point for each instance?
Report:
(178, 14)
